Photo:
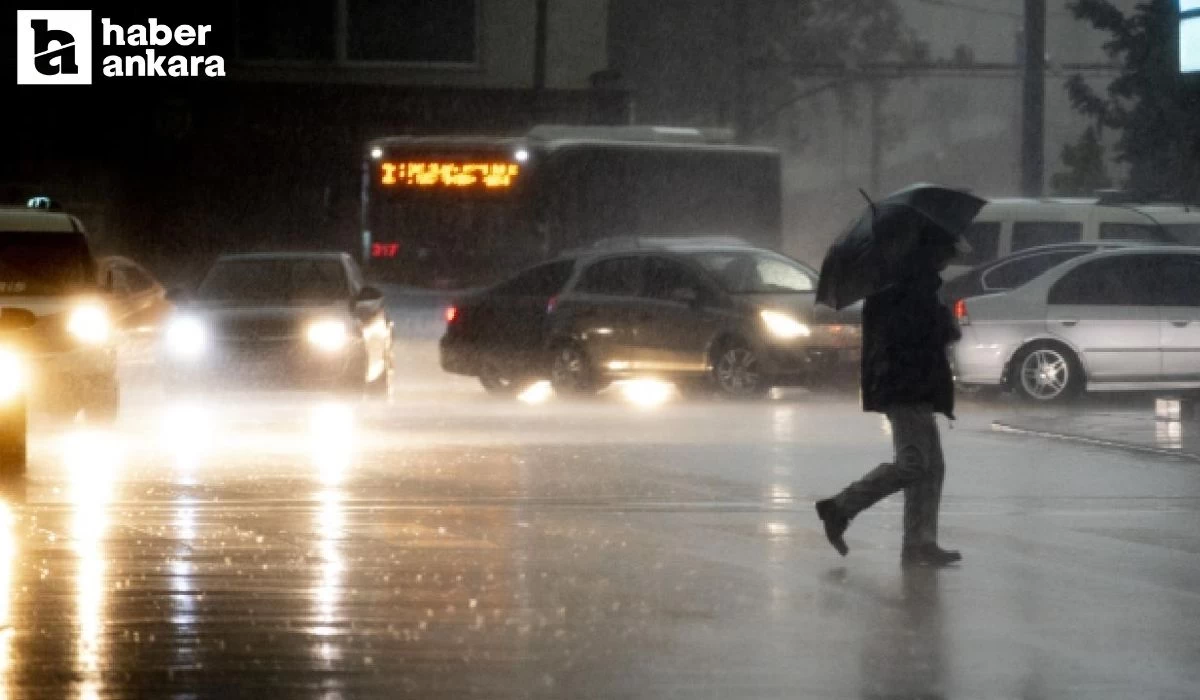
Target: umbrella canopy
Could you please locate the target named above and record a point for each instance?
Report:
(891, 238)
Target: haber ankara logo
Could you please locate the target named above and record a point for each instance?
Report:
(54, 47)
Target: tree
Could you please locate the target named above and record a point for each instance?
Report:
(806, 48)
(1085, 162)
(1155, 110)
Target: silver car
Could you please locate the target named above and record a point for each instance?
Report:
(1116, 320)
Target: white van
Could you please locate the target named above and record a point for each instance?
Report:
(1008, 225)
(47, 268)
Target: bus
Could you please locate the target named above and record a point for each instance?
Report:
(459, 211)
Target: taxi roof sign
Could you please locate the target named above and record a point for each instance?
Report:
(41, 202)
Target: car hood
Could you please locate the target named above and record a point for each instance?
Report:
(805, 308)
(261, 321)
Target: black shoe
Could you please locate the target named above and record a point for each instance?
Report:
(835, 524)
(929, 555)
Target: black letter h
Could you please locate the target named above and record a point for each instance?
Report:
(44, 58)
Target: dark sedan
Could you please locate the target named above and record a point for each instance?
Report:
(727, 318)
(302, 320)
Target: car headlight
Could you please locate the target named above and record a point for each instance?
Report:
(12, 375)
(783, 326)
(89, 324)
(187, 338)
(330, 335)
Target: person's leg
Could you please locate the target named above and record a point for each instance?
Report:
(922, 498)
(907, 467)
(922, 502)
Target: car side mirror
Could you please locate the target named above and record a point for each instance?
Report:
(685, 295)
(16, 319)
(368, 294)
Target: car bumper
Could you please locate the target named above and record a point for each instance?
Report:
(978, 364)
(273, 365)
(458, 357)
(60, 378)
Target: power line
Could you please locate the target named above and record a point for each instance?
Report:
(1015, 15)
(973, 8)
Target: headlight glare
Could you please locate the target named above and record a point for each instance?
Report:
(186, 338)
(89, 324)
(784, 326)
(12, 375)
(328, 335)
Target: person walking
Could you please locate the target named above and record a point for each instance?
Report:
(906, 376)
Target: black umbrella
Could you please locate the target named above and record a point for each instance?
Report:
(891, 237)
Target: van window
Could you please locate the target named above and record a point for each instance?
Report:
(1027, 234)
(984, 239)
(1114, 231)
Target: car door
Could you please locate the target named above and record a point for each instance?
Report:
(377, 335)
(599, 311)
(1106, 308)
(515, 315)
(120, 304)
(1180, 317)
(675, 319)
(147, 299)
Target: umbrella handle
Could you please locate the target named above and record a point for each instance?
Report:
(870, 203)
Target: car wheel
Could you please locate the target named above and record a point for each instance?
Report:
(103, 401)
(496, 381)
(13, 437)
(737, 371)
(1047, 373)
(571, 372)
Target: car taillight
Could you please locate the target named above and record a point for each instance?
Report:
(451, 313)
(960, 312)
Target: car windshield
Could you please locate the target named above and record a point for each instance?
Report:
(34, 264)
(752, 272)
(274, 281)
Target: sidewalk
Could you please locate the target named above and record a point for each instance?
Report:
(1131, 429)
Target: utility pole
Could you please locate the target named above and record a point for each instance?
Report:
(877, 89)
(539, 47)
(741, 90)
(1033, 103)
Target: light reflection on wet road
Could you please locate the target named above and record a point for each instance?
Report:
(447, 545)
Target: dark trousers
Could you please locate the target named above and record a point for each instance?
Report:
(918, 467)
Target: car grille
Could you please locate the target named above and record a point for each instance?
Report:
(257, 329)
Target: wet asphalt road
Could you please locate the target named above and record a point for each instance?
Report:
(447, 545)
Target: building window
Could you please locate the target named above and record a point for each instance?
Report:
(367, 31)
(280, 30)
(416, 31)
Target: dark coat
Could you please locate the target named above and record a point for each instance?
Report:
(905, 333)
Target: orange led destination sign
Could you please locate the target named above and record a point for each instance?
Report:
(443, 174)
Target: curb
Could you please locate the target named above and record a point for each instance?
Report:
(1001, 427)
